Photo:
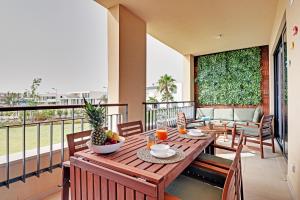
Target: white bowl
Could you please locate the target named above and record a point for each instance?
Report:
(159, 148)
(103, 149)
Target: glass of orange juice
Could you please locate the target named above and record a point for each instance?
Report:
(182, 129)
(150, 140)
(161, 130)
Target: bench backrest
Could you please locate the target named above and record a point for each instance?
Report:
(94, 182)
(266, 125)
(181, 119)
(77, 141)
(130, 128)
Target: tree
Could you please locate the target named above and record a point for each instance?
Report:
(32, 94)
(152, 100)
(166, 87)
(103, 99)
(11, 98)
(34, 86)
(66, 113)
(59, 113)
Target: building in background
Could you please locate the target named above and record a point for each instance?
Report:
(72, 98)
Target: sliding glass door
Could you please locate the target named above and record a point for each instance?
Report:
(281, 93)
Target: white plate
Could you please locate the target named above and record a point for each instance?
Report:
(195, 132)
(167, 154)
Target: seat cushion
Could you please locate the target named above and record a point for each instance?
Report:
(258, 113)
(213, 158)
(205, 113)
(188, 188)
(240, 123)
(249, 130)
(209, 176)
(223, 114)
(243, 114)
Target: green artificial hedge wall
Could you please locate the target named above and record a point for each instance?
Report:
(229, 78)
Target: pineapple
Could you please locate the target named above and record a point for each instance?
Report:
(96, 118)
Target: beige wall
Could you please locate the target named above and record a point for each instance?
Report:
(127, 60)
(188, 82)
(290, 14)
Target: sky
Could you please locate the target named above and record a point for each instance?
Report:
(64, 42)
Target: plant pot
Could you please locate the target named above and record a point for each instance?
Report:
(104, 149)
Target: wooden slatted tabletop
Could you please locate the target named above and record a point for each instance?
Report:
(125, 160)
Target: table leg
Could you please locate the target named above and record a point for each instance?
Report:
(65, 182)
(210, 149)
(225, 139)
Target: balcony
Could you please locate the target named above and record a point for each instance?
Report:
(238, 57)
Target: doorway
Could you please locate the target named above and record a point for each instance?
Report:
(281, 93)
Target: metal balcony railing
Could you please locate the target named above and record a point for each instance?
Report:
(169, 110)
(53, 118)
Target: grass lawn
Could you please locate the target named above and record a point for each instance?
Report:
(16, 136)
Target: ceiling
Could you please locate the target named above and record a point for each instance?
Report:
(192, 26)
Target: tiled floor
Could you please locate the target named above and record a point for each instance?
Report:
(264, 179)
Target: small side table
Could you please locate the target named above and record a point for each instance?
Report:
(217, 129)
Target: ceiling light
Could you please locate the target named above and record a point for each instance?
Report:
(219, 36)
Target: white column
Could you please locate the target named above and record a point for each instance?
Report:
(127, 60)
(188, 83)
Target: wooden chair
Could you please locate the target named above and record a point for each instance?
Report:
(260, 133)
(94, 182)
(76, 142)
(213, 169)
(181, 120)
(188, 185)
(130, 128)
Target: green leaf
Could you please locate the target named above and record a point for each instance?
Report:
(232, 77)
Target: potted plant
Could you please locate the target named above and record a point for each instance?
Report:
(102, 140)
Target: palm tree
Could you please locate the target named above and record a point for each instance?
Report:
(152, 100)
(166, 87)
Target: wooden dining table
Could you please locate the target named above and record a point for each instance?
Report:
(122, 175)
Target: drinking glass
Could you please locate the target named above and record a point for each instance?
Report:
(150, 140)
(182, 129)
(161, 129)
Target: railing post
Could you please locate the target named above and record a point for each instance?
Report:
(51, 147)
(7, 156)
(73, 120)
(24, 147)
(62, 142)
(145, 115)
(81, 124)
(106, 116)
(38, 134)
